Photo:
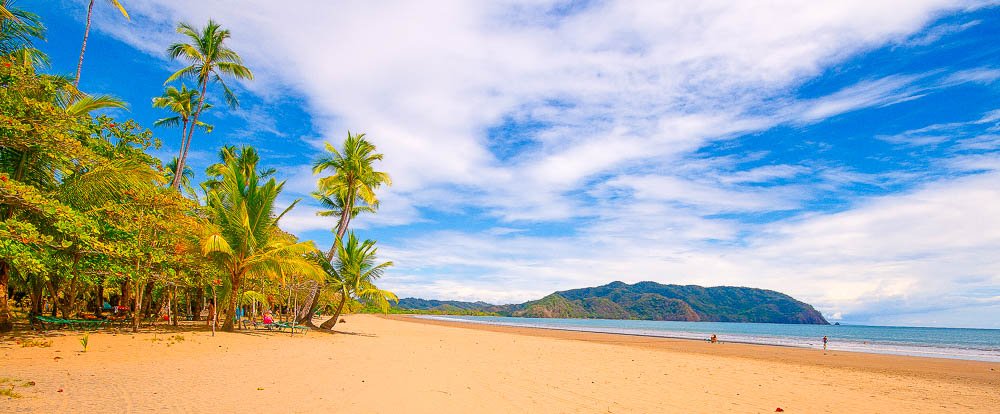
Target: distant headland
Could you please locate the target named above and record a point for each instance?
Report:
(645, 301)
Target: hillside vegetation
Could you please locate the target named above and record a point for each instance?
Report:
(647, 301)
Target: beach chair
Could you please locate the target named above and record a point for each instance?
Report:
(268, 326)
(290, 327)
(71, 323)
(49, 322)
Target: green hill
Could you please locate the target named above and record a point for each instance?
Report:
(648, 301)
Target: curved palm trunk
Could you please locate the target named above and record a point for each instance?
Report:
(184, 145)
(329, 324)
(83, 48)
(186, 142)
(313, 306)
(345, 219)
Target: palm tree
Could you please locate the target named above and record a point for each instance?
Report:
(249, 242)
(209, 59)
(334, 206)
(86, 33)
(354, 178)
(18, 28)
(352, 185)
(355, 273)
(182, 102)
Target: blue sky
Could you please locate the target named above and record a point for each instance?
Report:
(845, 153)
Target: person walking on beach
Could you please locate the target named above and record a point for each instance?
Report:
(824, 342)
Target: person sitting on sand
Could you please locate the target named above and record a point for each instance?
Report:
(714, 339)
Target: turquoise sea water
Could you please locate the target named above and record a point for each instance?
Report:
(958, 343)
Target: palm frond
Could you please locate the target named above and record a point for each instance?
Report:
(90, 103)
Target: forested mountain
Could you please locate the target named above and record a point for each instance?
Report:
(649, 301)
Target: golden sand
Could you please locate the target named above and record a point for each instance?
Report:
(404, 365)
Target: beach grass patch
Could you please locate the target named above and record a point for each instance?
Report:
(7, 386)
(33, 342)
(8, 392)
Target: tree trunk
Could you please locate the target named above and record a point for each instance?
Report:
(330, 323)
(86, 33)
(194, 121)
(53, 284)
(100, 299)
(126, 296)
(37, 292)
(199, 303)
(137, 310)
(6, 324)
(345, 219)
(313, 305)
(231, 307)
(182, 156)
(187, 302)
(68, 304)
(173, 305)
(147, 299)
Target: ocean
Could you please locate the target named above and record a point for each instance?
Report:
(956, 343)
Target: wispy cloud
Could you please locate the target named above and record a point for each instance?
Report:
(620, 106)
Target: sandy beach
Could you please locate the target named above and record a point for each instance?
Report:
(379, 364)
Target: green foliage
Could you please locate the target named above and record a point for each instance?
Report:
(654, 301)
(552, 306)
(644, 300)
(86, 213)
(249, 242)
(85, 341)
(351, 188)
(438, 311)
(18, 28)
(209, 58)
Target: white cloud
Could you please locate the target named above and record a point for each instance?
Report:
(931, 248)
(617, 87)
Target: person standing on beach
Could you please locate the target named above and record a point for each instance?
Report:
(211, 313)
(824, 342)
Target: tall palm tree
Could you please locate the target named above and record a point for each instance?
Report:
(333, 206)
(249, 242)
(209, 60)
(86, 33)
(355, 273)
(181, 102)
(352, 185)
(354, 178)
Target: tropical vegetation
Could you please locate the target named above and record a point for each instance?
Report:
(95, 227)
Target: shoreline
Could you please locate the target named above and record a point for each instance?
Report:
(949, 369)
(837, 346)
